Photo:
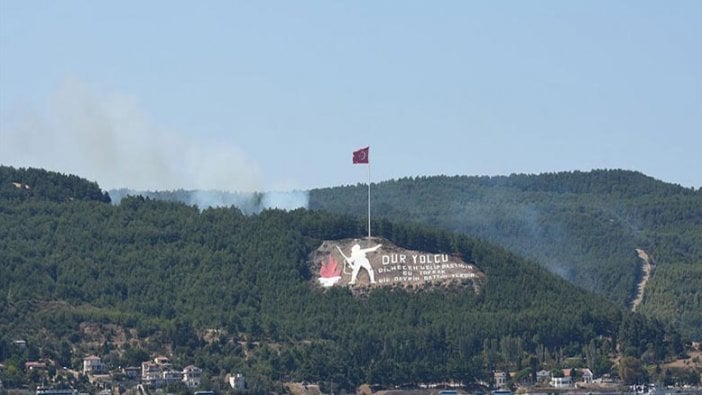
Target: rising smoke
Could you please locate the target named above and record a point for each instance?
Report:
(108, 138)
(247, 202)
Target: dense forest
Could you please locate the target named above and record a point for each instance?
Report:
(231, 292)
(583, 226)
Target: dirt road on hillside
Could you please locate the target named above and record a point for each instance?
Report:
(647, 267)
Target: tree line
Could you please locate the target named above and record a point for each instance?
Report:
(583, 226)
(169, 274)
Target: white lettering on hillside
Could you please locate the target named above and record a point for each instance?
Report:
(416, 258)
(421, 267)
(388, 264)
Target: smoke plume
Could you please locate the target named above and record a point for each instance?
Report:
(247, 202)
(109, 139)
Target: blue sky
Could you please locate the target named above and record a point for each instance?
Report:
(243, 95)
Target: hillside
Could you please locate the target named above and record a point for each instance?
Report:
(236, 293)
(585, 227)
(28, 184)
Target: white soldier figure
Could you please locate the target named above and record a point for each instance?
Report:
(359, 260)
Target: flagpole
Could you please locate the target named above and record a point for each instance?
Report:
(369, 214)
(361, 156)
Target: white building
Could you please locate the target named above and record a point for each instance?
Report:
(151, 374)
(562, 382)
(237, 382)
(172, 376)
(500, 379)
(51, 391)
(93, 365)
(192, 376)
(588, 377)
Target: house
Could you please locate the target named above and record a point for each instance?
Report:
(132, 372)
(562, 382)
(588, 377)
(192, 376)
(237, 382)
(151, 374)
(608, 379)
(53, 391)
(93, 365)
(34, 365)
(161, 360)
(149, 367)
(21, 344)
(500, 378)
(543, 376)
(172, 376)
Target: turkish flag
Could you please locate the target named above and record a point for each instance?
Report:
(361, 156)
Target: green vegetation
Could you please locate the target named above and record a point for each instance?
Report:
(25, 184)
(234, 293)
(584, 227)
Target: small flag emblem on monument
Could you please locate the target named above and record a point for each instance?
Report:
(361, 155)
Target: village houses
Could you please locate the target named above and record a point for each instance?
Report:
(588, 377)
(35, 365)
(500, 379)
(192, 376)
(93, 365)
(545, 378)
(160, 373)
(562, 382)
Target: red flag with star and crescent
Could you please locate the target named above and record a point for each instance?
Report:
(361, 156)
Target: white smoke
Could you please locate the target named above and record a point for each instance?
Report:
(107, 138)
(247, 202)
(251, 203)
(285, 200)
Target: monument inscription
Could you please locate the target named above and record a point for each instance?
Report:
(380, 262)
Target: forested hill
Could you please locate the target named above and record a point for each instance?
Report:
(235, 293)
(26, 184)
(584, 226)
